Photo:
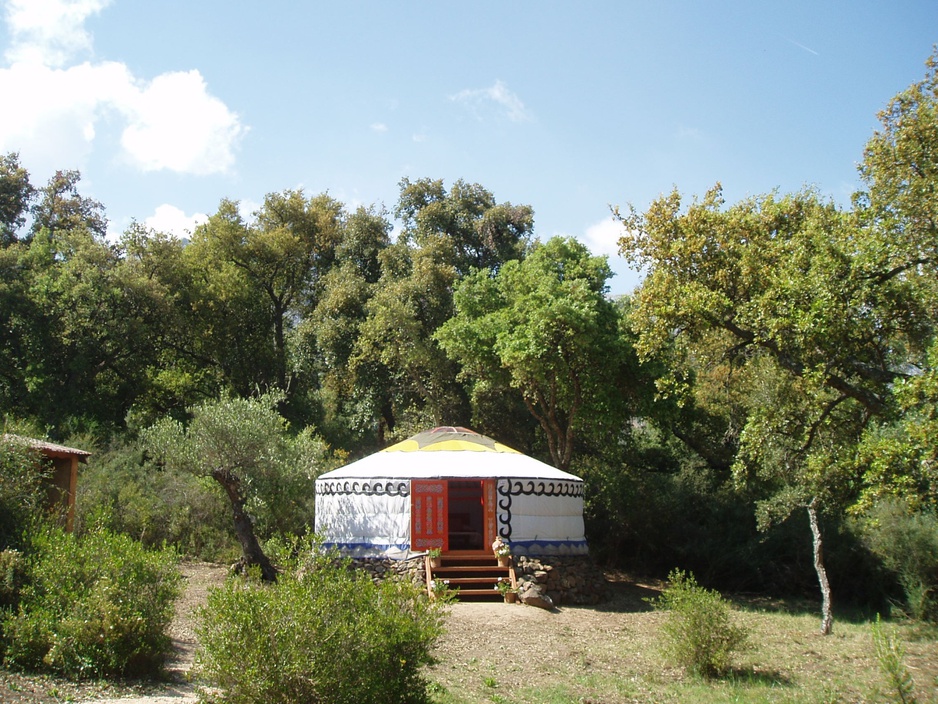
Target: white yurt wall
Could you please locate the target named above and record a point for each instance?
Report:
(364, 517)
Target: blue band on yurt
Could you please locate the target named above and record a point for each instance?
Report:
(371, 548)
(549, 547)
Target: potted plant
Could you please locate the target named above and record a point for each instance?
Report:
(502, 551)
(509, 592)
(439, 589)
(435, 555)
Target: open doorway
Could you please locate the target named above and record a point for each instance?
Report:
(466, 515)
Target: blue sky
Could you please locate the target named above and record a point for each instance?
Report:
(167, 107)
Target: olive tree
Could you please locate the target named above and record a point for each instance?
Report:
(245, 446)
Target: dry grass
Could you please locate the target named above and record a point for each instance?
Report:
(500, 653)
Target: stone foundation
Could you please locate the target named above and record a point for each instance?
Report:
(566, 580)
(380, 568)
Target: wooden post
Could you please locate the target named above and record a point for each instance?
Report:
(72, 491)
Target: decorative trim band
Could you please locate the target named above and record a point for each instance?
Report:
(543, 487)
(363, 487)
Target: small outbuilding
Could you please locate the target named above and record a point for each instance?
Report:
(63, 481)
(454, 490)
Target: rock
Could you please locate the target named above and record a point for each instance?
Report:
(542, 601)
(533, 594)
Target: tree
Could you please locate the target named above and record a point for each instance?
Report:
(16, 193)
(352, 395)
(898, 209)
(544, 327)
(80, 329)
(478, 233)
(62, 208)
(445, 235)
(283, 256)
(898, 457)
(244, 445)
(899, 206)
(774, 286)
(182, 367)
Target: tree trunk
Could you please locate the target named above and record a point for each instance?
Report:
(251, 552)
(827, 615)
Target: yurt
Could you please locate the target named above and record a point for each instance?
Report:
(452, 489)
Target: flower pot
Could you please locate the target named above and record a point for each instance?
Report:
(511, 597)
(435, 562)
(503, 560)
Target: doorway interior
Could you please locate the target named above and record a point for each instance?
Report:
(466, 517)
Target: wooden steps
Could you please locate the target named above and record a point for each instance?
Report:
(473, 574)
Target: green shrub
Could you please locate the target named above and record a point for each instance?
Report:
(122, 491)
(23, 472)
(699, 634)
(891, 658)
(95, 606)
(907, 543)
(12, 577)
(323, 633)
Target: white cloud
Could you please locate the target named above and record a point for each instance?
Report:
(49, 32)
(171, 220)
(56, 110)
(497, 94)
(603, 237)
(379, 127)
(176, 125)
(171, 122)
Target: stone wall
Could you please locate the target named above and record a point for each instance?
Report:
(566, 580)
(380, 568)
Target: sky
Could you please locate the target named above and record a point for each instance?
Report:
(570, 107)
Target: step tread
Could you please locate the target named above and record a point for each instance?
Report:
(473, 580)
(474, 575)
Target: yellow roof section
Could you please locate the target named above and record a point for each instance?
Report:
(449, 439)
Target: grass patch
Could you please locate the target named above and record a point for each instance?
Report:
(612, 654)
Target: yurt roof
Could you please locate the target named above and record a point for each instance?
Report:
(449, 452)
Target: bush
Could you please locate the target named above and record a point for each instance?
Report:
(96, 606)
(907, 543)
(23, 472)
(698, 633)
(323, 633)
(121, 490)
(891, 658)
(12, 577)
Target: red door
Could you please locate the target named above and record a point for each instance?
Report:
(428, 515)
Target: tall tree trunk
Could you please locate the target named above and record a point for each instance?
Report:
(827, 615)
(251, 552)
